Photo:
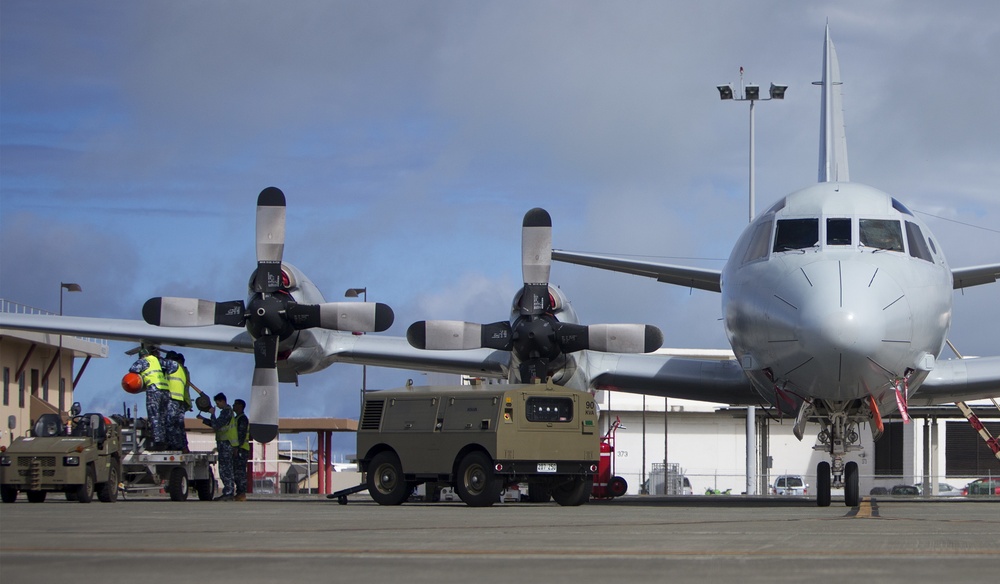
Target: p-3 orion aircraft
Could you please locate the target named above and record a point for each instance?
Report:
(836, 301)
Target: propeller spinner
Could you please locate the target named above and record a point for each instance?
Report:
(536, 339)
(270, 315)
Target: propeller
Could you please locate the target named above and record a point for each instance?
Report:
(536, 338)
(270, 315)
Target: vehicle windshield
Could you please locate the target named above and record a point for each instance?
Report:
(881, 234)
(796, 234)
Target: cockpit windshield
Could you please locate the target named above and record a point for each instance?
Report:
(796, 234)
(881, 234)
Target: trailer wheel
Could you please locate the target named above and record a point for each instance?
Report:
(617, 486)
(108, 492)
(206, 487)
(85, 492)
(573, 492)
(386, 484)
(178, 484)
(476, 484)
(8, 493)
(36, 496)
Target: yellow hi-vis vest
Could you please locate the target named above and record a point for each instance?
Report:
(153, 375)
(177, 383)
(245, 445)
(227, 433)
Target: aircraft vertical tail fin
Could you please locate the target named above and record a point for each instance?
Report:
(832, 137)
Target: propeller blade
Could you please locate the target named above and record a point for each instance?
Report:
(624, 338)
(536, 246)
(264, 405)
(264, 390)
(342, 316)
(270, 239)
(173, 311)
(448, 335)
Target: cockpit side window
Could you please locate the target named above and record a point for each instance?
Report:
(881, 234)
(915, 241)
(758, 243)
(838, 231)
(796, 234)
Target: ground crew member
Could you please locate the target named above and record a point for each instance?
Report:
(179, 386)
(242, 450)
(225, 439)
(157, 394)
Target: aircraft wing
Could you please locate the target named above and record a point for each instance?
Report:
(222, 338)
(396, 352)
(688, 277)
(695, 378)
(959, 380)
(975, 275)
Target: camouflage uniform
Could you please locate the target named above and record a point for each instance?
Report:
(156, 397)
(241, 454)
(175, 435)
(220, 423)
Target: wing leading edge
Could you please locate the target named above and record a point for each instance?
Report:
(220, 338)
(975, 275)
(700, 278)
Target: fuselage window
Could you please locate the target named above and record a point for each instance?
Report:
(881, 234)
(915, 241)
(838, 232)
(796, 234)
(758, 243)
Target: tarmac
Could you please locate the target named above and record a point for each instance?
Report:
(308, 538)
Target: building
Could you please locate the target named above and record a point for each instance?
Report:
(39, 373)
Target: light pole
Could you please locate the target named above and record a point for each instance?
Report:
(751, 93)
(69, 287)
(354, 293)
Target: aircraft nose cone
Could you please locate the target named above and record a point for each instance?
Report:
(838, 327)
(828, 325)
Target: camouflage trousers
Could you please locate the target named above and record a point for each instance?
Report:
(156, 413)
(176, 437)
(240, 459)
(226, 467)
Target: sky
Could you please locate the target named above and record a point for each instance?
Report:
(411, 137)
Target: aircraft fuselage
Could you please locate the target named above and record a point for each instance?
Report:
(836, 293)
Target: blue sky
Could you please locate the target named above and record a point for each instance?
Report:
(411, 137)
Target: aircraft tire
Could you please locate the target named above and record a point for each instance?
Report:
(386, 483)
(823, 484)
(852, 488)
(476, 483)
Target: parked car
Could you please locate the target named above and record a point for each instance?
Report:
(904, 490)
(987, 486)
(944, 490)
(879, 491)
(790, 485)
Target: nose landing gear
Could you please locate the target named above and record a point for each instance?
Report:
(838, 437)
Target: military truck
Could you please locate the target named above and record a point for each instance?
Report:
(480, 440)
(81, 462)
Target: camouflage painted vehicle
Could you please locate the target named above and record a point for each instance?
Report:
(83, 462)
(480, 440)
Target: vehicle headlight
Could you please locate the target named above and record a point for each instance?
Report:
(5, 460)
(71, 461)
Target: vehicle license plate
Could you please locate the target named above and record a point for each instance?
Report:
(547, 467)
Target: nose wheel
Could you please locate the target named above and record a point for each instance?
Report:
(838, 437)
